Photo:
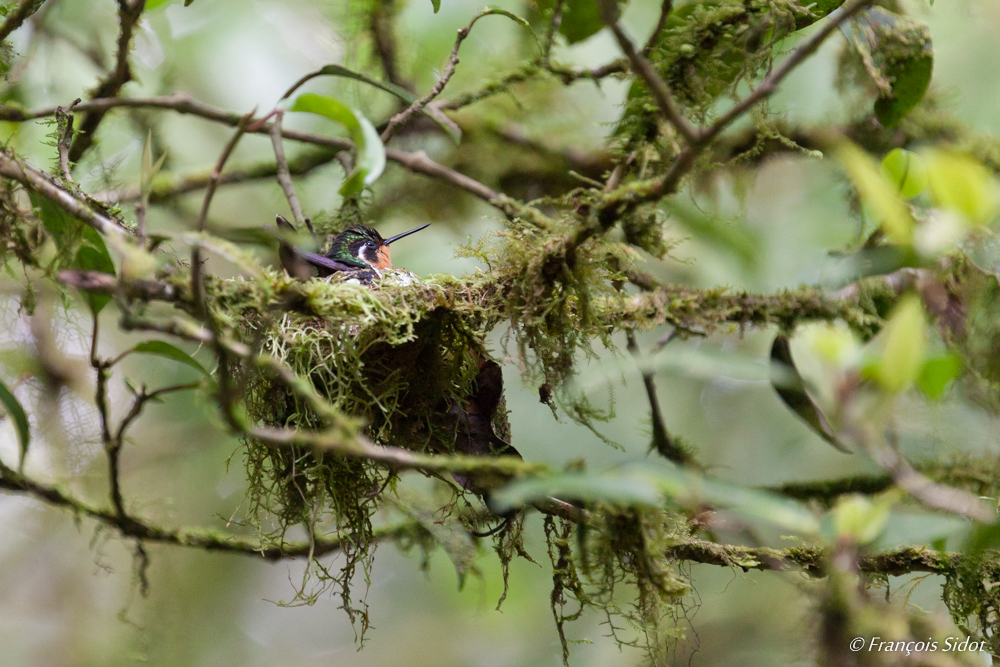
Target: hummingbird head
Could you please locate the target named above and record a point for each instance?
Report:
(364, 247)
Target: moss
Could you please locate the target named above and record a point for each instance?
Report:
(973, 597)
(621, 552)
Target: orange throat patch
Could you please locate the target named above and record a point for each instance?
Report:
(383, 259)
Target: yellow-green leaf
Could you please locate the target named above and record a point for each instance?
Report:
(905, 341)
(937, 372)
(962, 185)
(906, 170)
(879, 195)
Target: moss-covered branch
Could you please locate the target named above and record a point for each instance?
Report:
(199, 538)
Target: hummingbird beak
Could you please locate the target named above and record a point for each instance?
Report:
(412, 231)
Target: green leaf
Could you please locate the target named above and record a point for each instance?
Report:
(153, 4)
(20, 418)
(905, 342)
(859, 518)
(906, 170)
(580, 19)
(162, 349)
(963, 185)
(370, 158)
(437, 5)
(401, 93)
(68, 233)
(937, 372)
(93, 256)
(898, 54)
(877, 193)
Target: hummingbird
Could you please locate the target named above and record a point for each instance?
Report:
(359, 251)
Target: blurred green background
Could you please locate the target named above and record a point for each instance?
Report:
(67, 590)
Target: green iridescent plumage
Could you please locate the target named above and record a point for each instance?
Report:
(356, 246)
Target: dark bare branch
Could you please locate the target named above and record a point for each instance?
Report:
(111, 84)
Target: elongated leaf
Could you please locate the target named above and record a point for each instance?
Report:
(16, 412)
(158, 347)
(791, 387)
(877, 193)
(401, 93)
(436, 4)
(904, 341)
(66, 231)
(732, 237)
(963, 185)
(370, 159)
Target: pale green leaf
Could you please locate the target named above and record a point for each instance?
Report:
(905, 344)
(963, 185)
(878, 194)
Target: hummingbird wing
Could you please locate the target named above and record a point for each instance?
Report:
(789, 385)
(299, 263)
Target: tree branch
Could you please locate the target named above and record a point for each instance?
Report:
(14, 21)
(398, 121)
(38, 181)
(283, 172)
(128, 17)
(417, 162)
(657, 86)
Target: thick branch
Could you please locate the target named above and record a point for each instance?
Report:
(38, 181)
(207, 539)
(19, 16)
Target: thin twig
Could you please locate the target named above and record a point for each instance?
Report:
(662, 442)
(403, 117)
(665, 8)
(197, 288)
(657, 86)
(552, 31)
(770, 83)
(65, 121)
(621, 201)
(207, 539)
(283, 173)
